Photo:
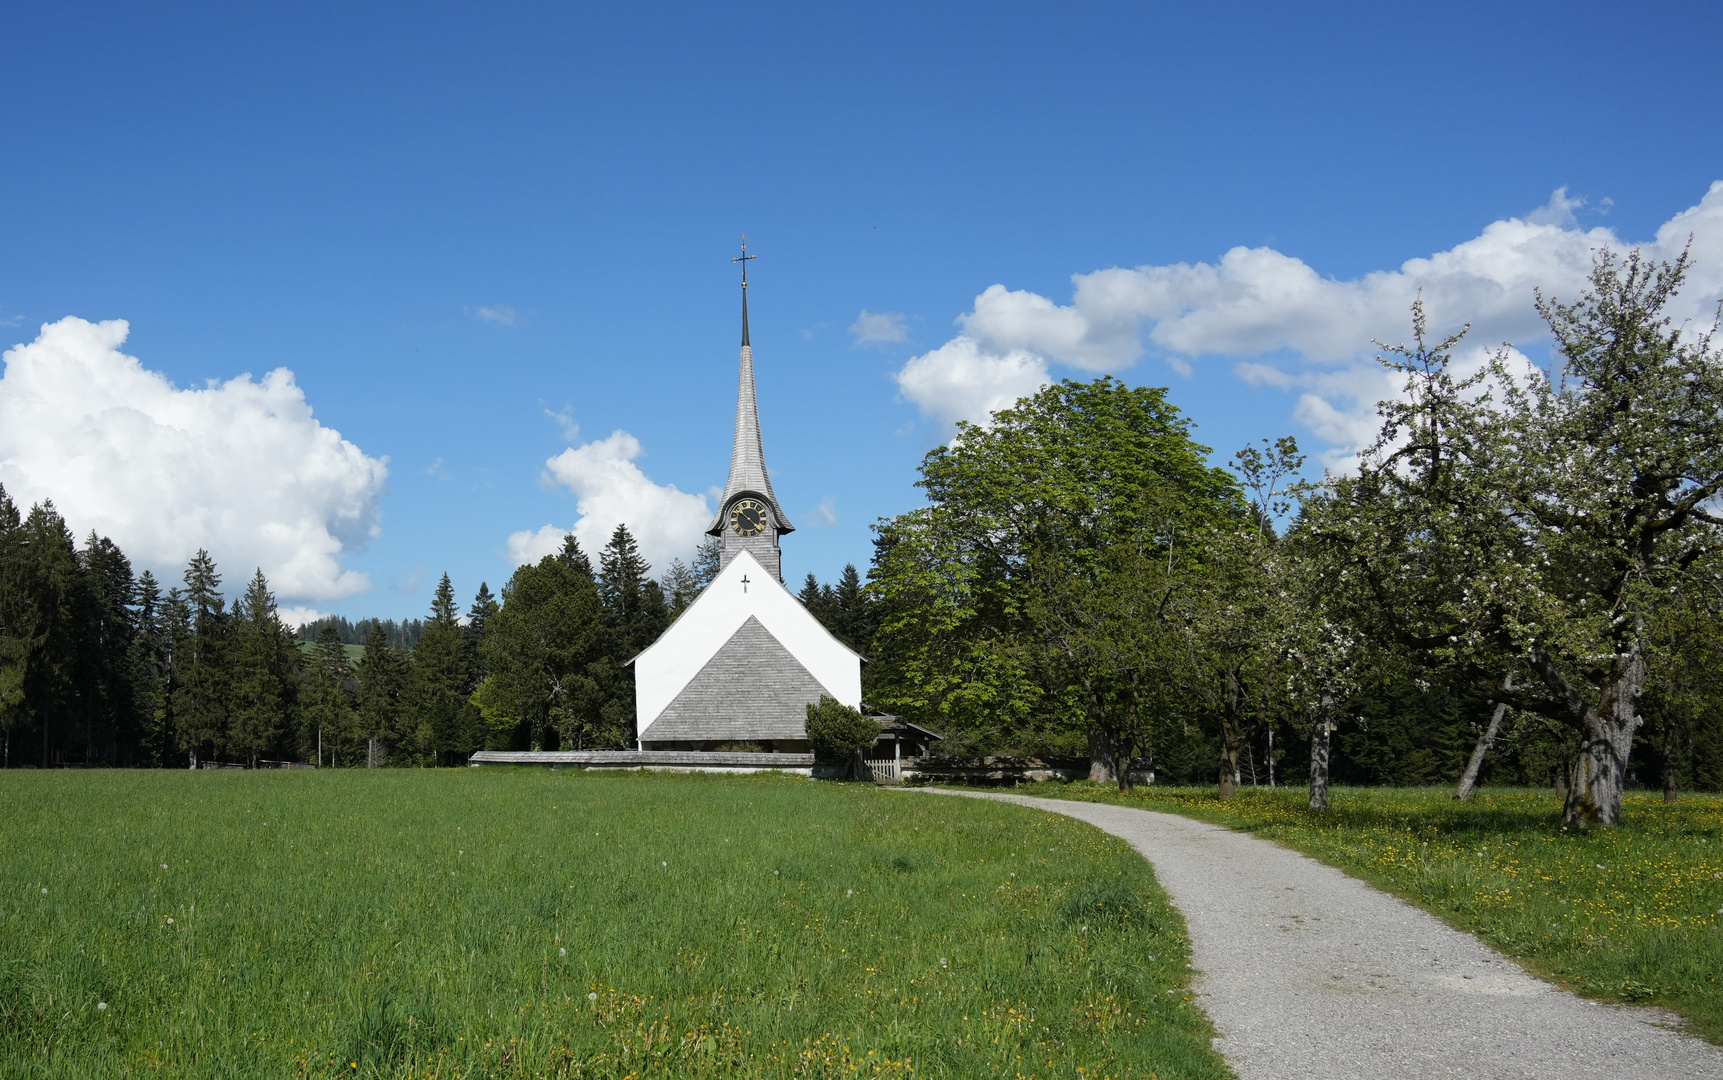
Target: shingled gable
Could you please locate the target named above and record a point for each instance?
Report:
(800, 659)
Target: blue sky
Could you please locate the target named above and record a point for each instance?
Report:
(483, 237)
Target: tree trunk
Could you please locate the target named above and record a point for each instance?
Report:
(1669, 742)
(1600, 769)
(1101, 766)
(1319, 737)
(1485, 742)
(1231, 724)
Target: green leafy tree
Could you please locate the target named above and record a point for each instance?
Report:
(1235, 608)
(841, 734)
(1617, 460)
(1020, 515)
(547, 652)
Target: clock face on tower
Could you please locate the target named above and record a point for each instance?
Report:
(748, 517)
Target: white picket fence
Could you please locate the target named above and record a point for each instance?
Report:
(886, 770)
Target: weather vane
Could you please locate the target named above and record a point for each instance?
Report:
(743, 259)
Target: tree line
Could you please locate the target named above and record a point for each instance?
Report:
(1517, 581)
(103, 667)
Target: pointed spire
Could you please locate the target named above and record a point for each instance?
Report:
(747, 454)
(744, 259)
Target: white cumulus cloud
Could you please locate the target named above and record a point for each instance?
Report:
(961, 380)
(1253, 302)
(298, 615)
(241, 468)
(611, 490)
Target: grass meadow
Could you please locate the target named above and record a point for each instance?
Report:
(1630, 914)
(504, 923)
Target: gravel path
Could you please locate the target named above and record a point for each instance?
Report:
(1311, 974)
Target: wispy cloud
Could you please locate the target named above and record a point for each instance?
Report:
(879, 327)
(501, 314)
(825, 515)
(564, 418)
(409, 585)
(436, 471)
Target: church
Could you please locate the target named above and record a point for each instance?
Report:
(743, 662)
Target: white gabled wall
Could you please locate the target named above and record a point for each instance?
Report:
(671, 662)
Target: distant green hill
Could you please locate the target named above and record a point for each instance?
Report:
(355, 653)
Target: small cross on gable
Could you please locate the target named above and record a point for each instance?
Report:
(744, 582)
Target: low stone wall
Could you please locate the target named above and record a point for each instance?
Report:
(657, 760)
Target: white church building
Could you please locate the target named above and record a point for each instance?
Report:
(746, 658)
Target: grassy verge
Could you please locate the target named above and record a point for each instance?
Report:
(1630, 914)
(481, 923)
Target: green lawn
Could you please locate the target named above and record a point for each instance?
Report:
(482, 923)
(1630, 914)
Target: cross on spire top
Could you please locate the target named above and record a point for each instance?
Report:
(744, 259)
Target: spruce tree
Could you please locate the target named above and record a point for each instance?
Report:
(810, 595)
(264, 669)
(330, 724)
(479, 616)
(680, 587)
(17, 625)
(110, 725)
(147, 670)
(708, 560)
(635, 614)
(634, 604)
(383, 673)
(444, 725)
(851, 614)
(201, 695)
(51, 582)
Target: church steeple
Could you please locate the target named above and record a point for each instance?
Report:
(748, 477)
